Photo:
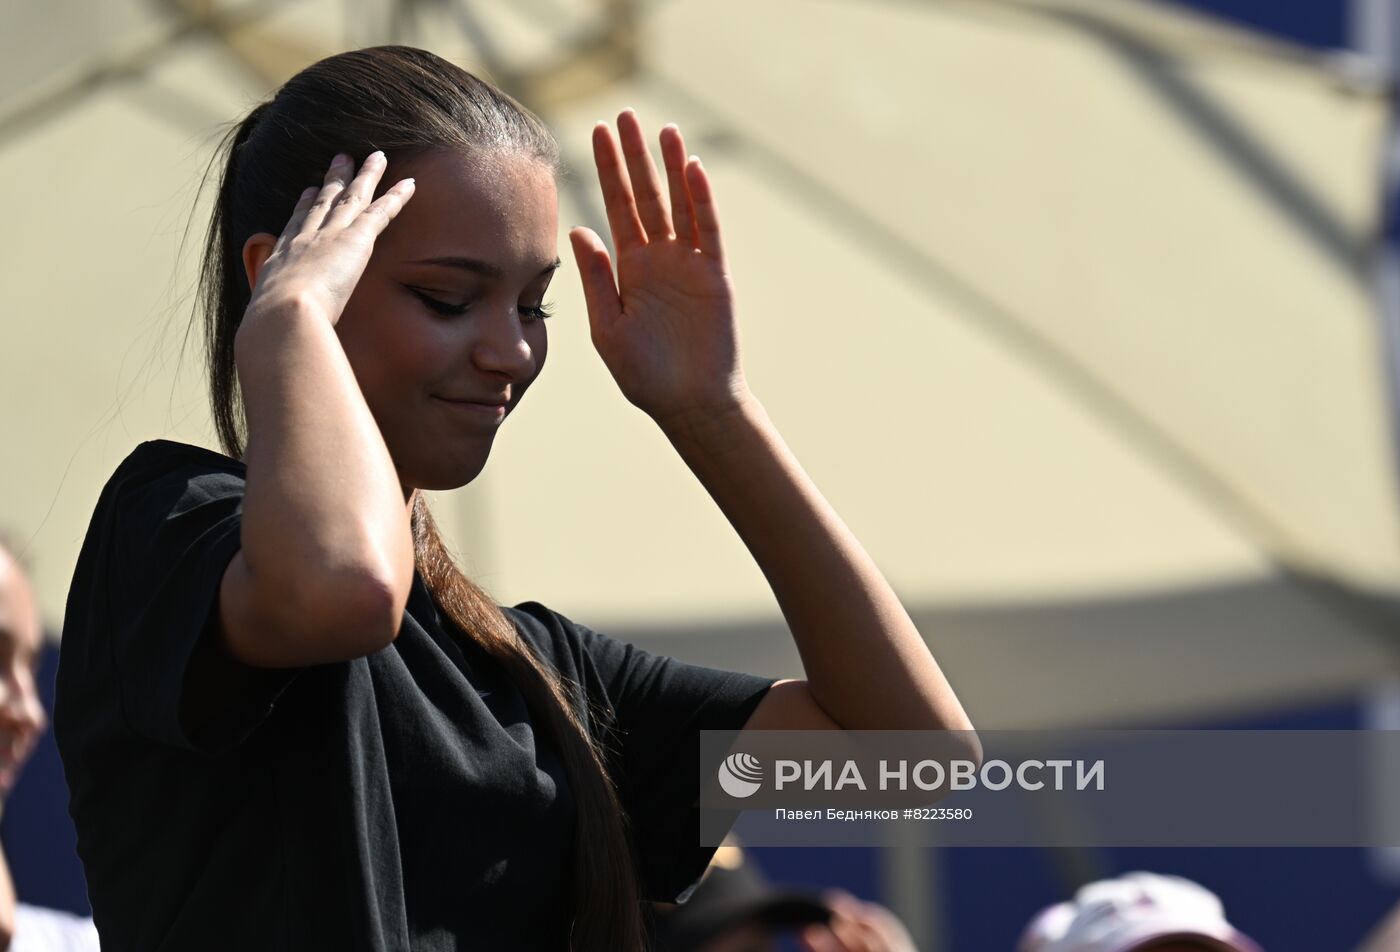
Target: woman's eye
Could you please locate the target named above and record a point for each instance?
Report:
(537, 313)
(531, 313)
(441, 307)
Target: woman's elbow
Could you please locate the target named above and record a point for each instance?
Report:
(971, 746)
(325, 618)
(357, 614)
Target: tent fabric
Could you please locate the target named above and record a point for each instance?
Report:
(1065, 306)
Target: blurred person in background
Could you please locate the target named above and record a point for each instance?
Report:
(1386, 935)
(25, 928)
(1138, 912)
(736, 909)
(286, 717)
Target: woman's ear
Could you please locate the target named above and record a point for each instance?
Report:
(255, 253)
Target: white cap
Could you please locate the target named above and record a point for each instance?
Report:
(1120, 915)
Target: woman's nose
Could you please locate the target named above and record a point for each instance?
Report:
(20, 707)
(34, 714)
(501, 345)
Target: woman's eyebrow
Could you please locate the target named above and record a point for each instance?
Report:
(477, 266)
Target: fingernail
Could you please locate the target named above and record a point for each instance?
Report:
(340, 159)
(376, 156)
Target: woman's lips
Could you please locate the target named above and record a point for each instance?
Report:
(489, 412)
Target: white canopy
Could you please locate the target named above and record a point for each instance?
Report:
(1063, 305)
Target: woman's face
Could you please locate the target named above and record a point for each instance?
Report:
(444, 314)
(22, 717)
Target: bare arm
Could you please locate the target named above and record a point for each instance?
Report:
(668, 334)
(327, 556)
(867, 666)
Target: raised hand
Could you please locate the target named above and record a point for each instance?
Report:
(666, 327)
(326, 244)
(857, 926)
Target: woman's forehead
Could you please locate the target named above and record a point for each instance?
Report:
(502, 207)
(19, 620)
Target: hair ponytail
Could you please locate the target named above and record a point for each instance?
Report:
(553, 706)
(407, 101)
(224, 290)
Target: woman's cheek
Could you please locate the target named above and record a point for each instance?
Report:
(422, 348)
(538, 338)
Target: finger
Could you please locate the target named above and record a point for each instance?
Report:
(646, 184)
(298, 218)
(840, 899)
(383, 209)
(627, 230)
(336, 178)
(887, 932)
(706, 216)
(850, 932)
(869, 936)
(673, 156)
(848, 919)
(820, 939)
(595, 269)
(356, 196)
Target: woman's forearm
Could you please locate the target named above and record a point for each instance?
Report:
(325, 524)
(867, 666)
(667, 331)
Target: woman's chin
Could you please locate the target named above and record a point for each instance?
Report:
(441, 474)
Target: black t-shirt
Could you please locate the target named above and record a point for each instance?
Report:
(398, 801)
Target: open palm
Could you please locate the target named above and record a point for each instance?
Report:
(665, 327)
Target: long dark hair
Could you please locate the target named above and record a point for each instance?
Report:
(407, 101)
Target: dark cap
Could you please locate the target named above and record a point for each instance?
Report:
(732, 897)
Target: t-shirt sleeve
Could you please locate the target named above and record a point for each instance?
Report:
(659, 706)
(173, 529)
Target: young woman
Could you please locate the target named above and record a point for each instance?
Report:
(287, 719)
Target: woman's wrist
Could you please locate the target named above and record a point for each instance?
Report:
(712, 427)
(272, 319)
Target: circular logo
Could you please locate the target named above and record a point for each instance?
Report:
(740, 775)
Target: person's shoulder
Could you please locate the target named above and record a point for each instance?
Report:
(163, 456)
(575, 649)
(171, 462)
(163, 478)
(533, 614)
(550, 633)
(577, 654)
